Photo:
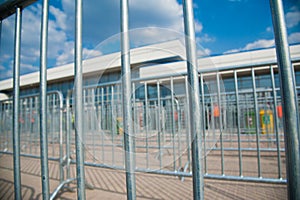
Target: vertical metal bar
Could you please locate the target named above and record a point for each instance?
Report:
(159, 124)
(173, 128)
(98, 115)
(146, 124)
(16, 105)
(61, 153)
(94, 121)
(135, 111)
(276, 121)
(127, 107)
(179, 132)
(213, 120)
(37, 105)
(7, 128)
(43, 102)
(238, 113)
(113, 126)
(188, 136)
(220, 122)
(52, 121)
(79, 103)
(256, 121)
(203, 122)
(31, 120)
(84, 111)
(290, 106)
(195, 115)
(102, 122)
(91, 109)
(68, 135)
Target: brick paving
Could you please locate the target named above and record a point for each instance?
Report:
(110, 184)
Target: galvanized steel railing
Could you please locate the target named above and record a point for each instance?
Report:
(178, 120)
(161, 126)
(29, 124)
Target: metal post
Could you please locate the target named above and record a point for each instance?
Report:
(113, 126)
(256, 107)
(195, 115)
(238, 120)
(147, 124)
(51, 111)
(36, 99)
(31, 124)
(187, 117)
(203, 121)
(69, 125)
(127, 107)
(289, 98)
(43, 102)
(79, 103)
(61, 153)
(102, 123)
(220, 122)
(276, 122)
(173, 128)
(159, 132)
(16, 105)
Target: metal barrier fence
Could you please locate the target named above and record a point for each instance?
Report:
(248, 128)
(29, 120)
(164, 131)
(29, 124)
(162, 140)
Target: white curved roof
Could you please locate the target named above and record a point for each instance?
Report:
(137, 56)
(234, 60)
(146, 54)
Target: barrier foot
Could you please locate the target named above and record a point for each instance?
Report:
(61, 186)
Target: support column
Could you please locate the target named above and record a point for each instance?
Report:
(43, 102)
(127, 107)
(16, 105)
(194, 100)
(79, 103)
(289, 98)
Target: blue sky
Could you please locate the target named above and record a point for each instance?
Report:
(222, 26)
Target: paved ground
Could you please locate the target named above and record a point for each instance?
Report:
(110, 184)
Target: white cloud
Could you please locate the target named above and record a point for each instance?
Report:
(294, 38)
(90, 53)
(205, 38)
(203, 52)
(166, 14)
(232, 51)
(101, 20)
(292, 18)
(198, 27)
(150, 35)
(29, 67)
(263, 43)
(68, 53)
(60, 17)
(269, 29)
(258, 44)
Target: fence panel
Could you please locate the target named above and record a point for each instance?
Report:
(233, 149)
